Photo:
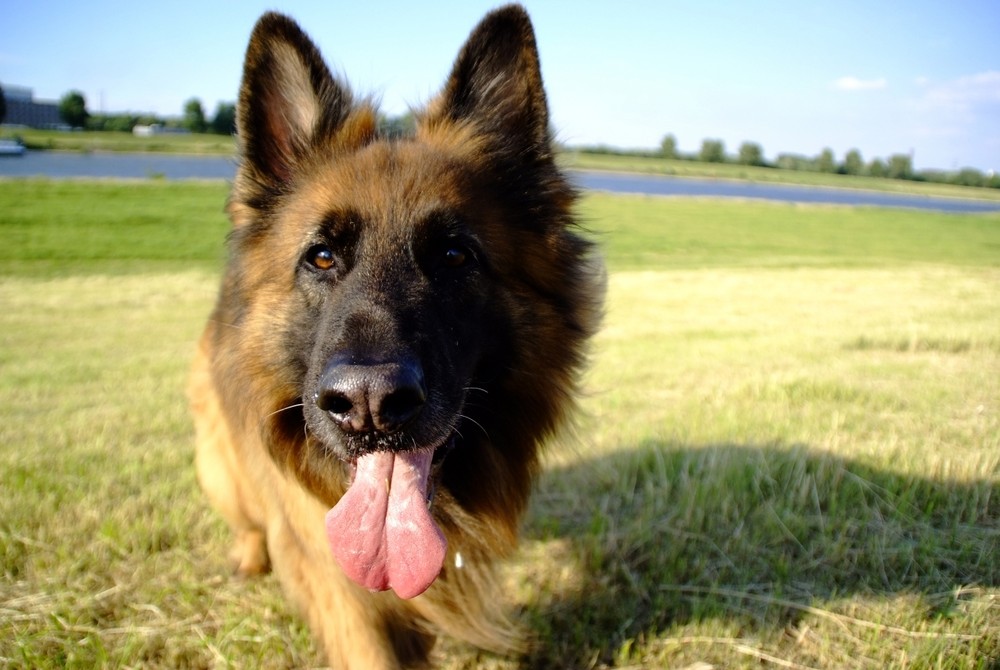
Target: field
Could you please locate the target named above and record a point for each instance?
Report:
(789, 454)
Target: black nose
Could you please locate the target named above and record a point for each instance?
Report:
(364, 397)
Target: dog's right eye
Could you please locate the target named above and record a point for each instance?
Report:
(455, 257)
(321, 257)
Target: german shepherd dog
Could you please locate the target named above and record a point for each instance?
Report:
(400, 326)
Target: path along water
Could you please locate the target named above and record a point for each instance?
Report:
(169, 166)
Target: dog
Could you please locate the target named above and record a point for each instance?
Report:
(401, 324)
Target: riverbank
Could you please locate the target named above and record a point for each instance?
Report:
(224, 146)
(167, 166)
(195, 144)
(652, 165)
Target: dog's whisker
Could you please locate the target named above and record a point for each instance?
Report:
(465, 417)
(266, 417)
(284, 409)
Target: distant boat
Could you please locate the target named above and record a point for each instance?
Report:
(11, 148)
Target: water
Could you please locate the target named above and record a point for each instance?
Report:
(171, 166)
(654, 185)
(59, 164)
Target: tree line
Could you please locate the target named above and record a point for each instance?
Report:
(74, 113)
(896, 166)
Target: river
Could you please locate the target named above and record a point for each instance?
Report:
(171, 166)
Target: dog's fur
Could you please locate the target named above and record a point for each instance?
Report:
(386, 297)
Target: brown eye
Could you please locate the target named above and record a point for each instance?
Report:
(455, 257)
(320, 257)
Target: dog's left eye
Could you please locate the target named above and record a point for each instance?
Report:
(452, 255)
(455, 257)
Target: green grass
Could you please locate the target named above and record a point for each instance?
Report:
(194, 143)
(60, 227)
(789, 454)
(679, 233)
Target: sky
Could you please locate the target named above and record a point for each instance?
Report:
(918, 78)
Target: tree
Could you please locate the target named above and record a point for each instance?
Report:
(900, 166)
(194, 116)
(712, 151)
(826, 161)
(224, 121)
(852, 163)
(73, 109)
(3, 105)
(668, 147)
(876, 168)
(751, 154)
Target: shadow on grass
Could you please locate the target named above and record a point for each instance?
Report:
(667, 535)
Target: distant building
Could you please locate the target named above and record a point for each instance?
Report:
(24, 110)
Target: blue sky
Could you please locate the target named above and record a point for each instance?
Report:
(882, 77)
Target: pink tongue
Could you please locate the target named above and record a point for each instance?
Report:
(381, 532)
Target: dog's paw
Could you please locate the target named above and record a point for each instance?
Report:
(249, 555)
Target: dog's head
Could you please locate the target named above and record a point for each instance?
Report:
(412, 296)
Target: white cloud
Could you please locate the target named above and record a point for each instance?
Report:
(854, 84)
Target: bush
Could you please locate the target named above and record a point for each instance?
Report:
(969, 177)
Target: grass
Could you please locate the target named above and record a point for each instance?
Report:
(193, 143)
(686, 233)
(790, 454)
(59, 227)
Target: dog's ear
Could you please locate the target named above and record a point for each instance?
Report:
(288, 98)
(496, 83)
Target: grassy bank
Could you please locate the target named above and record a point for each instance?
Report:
(56, 140)
(789, 455)
(680, 168)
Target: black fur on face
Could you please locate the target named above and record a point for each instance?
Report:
(397, 308)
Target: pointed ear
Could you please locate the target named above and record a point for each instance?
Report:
(496, 83)
(287, 99)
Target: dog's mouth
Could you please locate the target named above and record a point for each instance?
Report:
(381, 532)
